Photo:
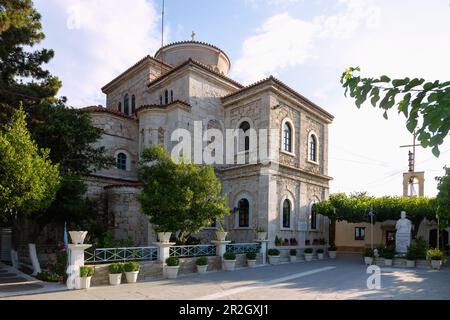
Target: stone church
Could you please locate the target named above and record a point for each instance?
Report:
(187, 82)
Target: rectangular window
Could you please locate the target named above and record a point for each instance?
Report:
(360, 233)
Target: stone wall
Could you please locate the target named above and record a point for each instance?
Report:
(154, 269)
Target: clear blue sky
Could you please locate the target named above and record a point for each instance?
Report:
(305, 43)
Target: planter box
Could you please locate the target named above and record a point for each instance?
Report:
(85, 283)
(262, 236)
(368, 260)
(164, 237)
(320, 256)
(172, 272)
(293, 258)
(229, 265)
(274, 260)
(202, 269)
(78, 236)
(332, 254)
(221, 236)
(251, 263)
(115, 279)
(436, 264)
(388, 262)
(410, 263)
(308, 257)
(132, 276)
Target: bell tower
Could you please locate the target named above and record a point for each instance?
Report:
(413, 181)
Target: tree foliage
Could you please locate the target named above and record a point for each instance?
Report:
(443, 198)
(179, 197)
(426, 105)
(22, 78)
(28, 179)
(355, 209)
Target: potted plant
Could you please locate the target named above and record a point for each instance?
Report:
(285, 242)
(308, 254)
(172, 267)
(411, 257)
(78, 236)
(164, 237)
(293, 255)
(320, 254)
(307, 242)
(436, 257)
(131, 271)
(332, 251)
(115, 273)
(277, 241)
(221, 235)
(86, 274)
(229, 261)
(322, 242)
(202, 265)
(274, 256)
(262, 234)
(388, 255)
(251, 259)
(368, 256)
(293, 242)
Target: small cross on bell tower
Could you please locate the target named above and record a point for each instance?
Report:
(413, 181)
(193, 35)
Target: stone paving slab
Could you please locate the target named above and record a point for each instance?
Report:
(318, 280)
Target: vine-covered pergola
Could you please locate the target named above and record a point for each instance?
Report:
(356, 208)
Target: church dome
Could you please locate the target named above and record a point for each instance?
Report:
(207, 54)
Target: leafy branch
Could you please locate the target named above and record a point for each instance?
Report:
(426, 105)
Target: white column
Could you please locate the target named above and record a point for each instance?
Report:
(76, 260)
(264, 245)
(221, 247)
(164, 250)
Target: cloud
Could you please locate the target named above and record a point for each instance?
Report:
(284, 41)
(257, 3)
(95, 40)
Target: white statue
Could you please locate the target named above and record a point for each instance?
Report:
(403, 225)
(403, 235)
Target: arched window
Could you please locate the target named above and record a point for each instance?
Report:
(245, 127)
(126, 104)
(286, 214)
(133, 104)
(313, 217)
(287, 137)
(313, 148)
(119, 107)
(166, 97)
(122, 161)
(244, 213)
(171, 95)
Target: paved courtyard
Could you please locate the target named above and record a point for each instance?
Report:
(344, 278)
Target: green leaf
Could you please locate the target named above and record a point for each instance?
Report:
(385, 79)
(436, 151)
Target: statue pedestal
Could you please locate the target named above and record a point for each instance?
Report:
(76, 260)
(402, 242)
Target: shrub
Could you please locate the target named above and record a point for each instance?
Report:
(251, 256)
(332, 247)
(115, 268)
(411, 253)
(389, 253)
(229, 256)
(47, 277)
(173, 261)
(278, 241)
(86, 271)
(319, 251)
(435, 254)
(293, 252)
(202, 261)
(421, 247)
(368, 253)
(273, 252)
(131, 266)
(308, 251)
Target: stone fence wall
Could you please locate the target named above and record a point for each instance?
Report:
(154, 269)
